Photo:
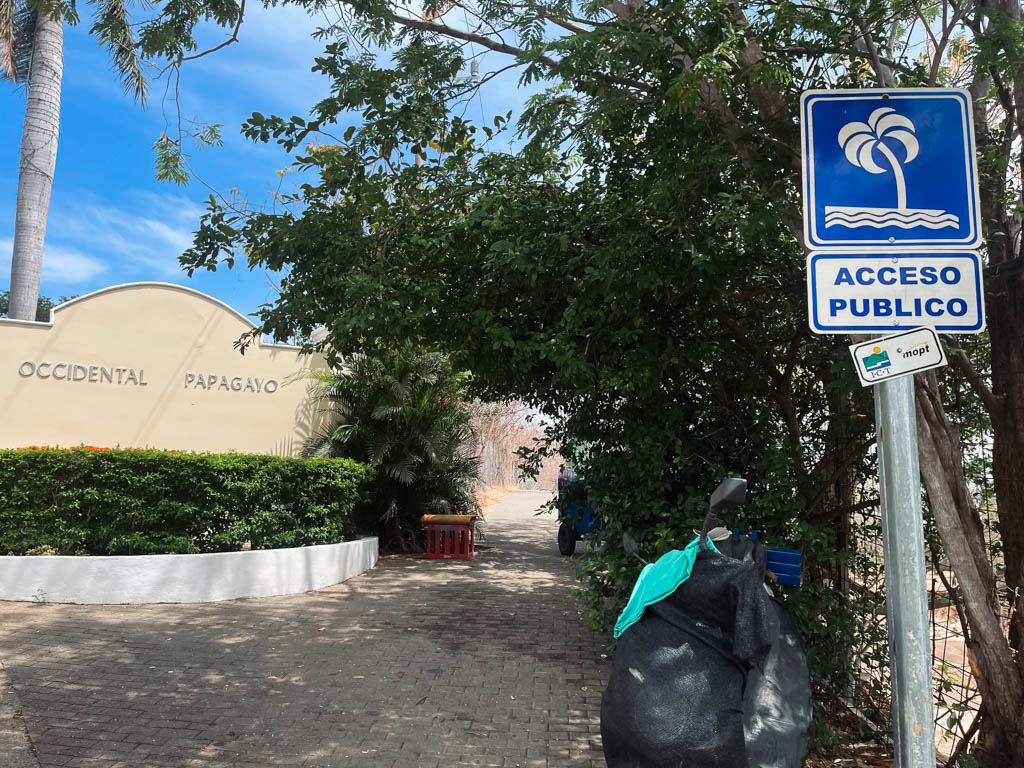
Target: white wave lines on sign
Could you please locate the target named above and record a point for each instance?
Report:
(904, 218)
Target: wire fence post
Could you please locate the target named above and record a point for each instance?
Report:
(906, 591)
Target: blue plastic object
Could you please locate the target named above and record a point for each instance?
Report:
(785, 564)
(580, 516)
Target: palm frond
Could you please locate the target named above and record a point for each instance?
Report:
(331, 441)
(345, 433)
(8, 69)
(399, 388)
(24, 42)
(430, 448)
(402, 471)
(379, 448)
(439, 505)
(318, 445)
(113, 28)
(17, 34)
(387, 411)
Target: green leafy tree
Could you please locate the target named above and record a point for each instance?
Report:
(43, 306)
(404, 413)
(634, 267)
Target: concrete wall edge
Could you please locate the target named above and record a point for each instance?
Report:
(200, 578)
(143, 284)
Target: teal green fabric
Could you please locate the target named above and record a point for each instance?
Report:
(657, 581)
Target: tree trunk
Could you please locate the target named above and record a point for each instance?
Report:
(1000, 739)
(959, 524)
(38, 160)
(1005, 321)
(1006, 329)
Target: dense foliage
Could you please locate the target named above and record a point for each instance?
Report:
(405, 414)
(43, 306)
(643, 297)
(133, 502)
(633, 267)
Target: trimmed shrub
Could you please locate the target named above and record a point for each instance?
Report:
(133, 502)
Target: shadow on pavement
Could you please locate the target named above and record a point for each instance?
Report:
(419, 663)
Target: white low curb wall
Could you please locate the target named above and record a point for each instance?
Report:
(183, 578)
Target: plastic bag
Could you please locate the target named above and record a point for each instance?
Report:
(713, 676)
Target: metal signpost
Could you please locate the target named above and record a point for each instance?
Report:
(891, 213)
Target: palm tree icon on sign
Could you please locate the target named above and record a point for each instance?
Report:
(873, 146)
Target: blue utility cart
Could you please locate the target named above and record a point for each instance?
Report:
(576, 516)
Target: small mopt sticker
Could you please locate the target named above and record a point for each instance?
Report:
(899, 355)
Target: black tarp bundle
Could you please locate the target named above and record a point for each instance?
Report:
(713, 676)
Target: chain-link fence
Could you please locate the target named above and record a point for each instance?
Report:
(956, 696)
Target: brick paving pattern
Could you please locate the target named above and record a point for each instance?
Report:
(15, 747)
(416, 664)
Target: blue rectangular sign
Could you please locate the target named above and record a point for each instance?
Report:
(889, 169)
(889, 292)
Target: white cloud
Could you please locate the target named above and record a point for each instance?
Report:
(61, 265)
(145, 236)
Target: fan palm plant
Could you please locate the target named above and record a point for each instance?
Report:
(405, 414)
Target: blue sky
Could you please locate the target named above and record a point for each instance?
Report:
(110, 221)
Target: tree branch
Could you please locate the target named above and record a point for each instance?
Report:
(1004, 268)
(962, 364)
(499, 47)
(940, 45)
(459, 34)
(954, 756)
(769, 101)
(226, 43)
(736, 132)
(959, 525)
(954, 597)
(865, 42)
(806, 50)
(927, 26)
(566, 24)
(849, 509)
(857, 448)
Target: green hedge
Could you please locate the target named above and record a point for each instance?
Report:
(126, 502)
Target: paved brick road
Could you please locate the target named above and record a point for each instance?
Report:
(417, 663)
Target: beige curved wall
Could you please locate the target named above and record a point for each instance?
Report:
(151, 365)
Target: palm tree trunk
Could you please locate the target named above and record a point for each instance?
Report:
(901, 184)
(38, 160)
